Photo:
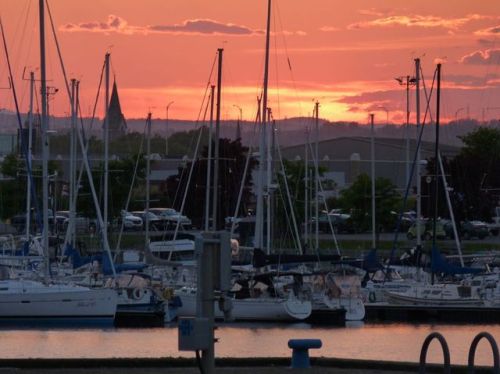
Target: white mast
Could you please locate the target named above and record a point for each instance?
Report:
(419, 171)
(30, 149)
(372, 149)
(45, 142)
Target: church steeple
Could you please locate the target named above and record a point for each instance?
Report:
(117, 123)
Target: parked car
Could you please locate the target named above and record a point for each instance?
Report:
(155, 222)
(341, 223)
(474, 229)
(426, 231)
(171, 217)
(130, 222)
(82, 224)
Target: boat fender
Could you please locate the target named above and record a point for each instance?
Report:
(137, 293)
(372, 297)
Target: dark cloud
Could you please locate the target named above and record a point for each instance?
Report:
(472, 80)
(495, 30)
(488, 57)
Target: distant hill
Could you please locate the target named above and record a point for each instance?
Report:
(291, 131)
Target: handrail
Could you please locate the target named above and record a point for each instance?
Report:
(494, 348)
(444, 346)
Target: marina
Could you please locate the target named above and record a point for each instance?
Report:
(227, 246)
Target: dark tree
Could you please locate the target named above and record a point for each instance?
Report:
(231, 167)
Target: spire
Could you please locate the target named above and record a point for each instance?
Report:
(117, 123)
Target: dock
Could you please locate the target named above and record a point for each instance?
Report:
(417, 313)
(223, 365)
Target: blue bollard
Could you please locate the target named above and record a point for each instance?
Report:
(300, 351)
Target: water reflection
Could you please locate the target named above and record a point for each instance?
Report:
(394, 342)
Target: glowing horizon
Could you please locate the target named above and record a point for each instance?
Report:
(345, 56)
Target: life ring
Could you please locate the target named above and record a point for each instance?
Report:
(137, 293)
(372, 297)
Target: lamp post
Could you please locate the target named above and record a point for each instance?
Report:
(386, 114)
(238, 129)
(457, 112)
(166, 128)
(488, 109)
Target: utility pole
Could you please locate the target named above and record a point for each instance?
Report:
(217, 135)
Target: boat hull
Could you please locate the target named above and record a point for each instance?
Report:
(37, 301)
(257, 309)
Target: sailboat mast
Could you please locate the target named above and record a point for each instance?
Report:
(106, 145)
(306, 190)
(372, 151)
(72, 174)
(217, 135)
(268, 130)
(259, 214)
(419, 171)
(436, 156)
(45, 140)
(209, 160)
(30, 148)
(148, 172)
(316, 176)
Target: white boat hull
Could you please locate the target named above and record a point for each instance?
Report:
(28, 299)
(252, 309)
(401, 299)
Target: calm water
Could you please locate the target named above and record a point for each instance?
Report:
(394, 342)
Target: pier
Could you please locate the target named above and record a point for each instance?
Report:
(224, 365)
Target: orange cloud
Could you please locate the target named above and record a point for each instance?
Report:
(418, 21)
(119, 25)
(329, 28)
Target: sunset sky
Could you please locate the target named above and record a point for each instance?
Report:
(345, 54)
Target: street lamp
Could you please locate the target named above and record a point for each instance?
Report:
(457, 112)
(238, 129)
(489, 108)
(241, 111)
(386, 114)
(166, 128)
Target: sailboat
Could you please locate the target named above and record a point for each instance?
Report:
(35, 300)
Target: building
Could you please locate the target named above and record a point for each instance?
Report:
(346, 158)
